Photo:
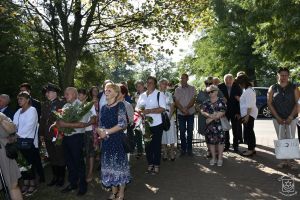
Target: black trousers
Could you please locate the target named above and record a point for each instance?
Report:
(73, 152)
(153, 148)
(236, 132)
(249, 133)
(32, 157)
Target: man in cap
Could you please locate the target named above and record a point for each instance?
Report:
(56, 154)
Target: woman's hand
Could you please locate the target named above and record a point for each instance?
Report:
(101, 133)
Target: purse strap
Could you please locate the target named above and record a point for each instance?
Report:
(158, 94)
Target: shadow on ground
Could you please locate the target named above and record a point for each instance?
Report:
(191, 178)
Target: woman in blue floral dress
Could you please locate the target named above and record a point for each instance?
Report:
(115, 171)
(213, 110)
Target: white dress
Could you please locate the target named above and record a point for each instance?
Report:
(170, 136)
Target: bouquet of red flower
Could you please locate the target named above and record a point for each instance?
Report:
(142, 123)
(73, 113)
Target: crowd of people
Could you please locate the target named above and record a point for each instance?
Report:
(111, 128)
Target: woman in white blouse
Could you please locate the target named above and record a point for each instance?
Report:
(26, 121)
(249, 112)
(169, 138)
(152, 104)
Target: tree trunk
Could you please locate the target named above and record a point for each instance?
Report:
(72, 57)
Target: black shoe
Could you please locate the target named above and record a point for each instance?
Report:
(60, 182)
(182, 153)
(69, 188)
(226, 149)
(42, 180)
(236, 150)
(82, 192)
(53, 182)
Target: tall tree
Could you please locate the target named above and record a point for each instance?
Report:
(108, 25)
(227, 45)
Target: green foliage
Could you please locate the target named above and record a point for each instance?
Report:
(22, 56)
(117, 27)
(226, 46)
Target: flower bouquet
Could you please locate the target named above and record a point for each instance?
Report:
(23, 165)
(148, 135)
(73, 113)
(143, 122)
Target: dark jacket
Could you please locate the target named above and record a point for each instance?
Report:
(9, 113)
(233, 105)
(48, 118)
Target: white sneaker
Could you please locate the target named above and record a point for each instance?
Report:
(220, 163)
(212, 162)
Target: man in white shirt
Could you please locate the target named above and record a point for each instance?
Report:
(73, 147)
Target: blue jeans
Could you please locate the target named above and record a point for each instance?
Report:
(186, 124)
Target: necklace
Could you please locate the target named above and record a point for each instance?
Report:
(111, 104)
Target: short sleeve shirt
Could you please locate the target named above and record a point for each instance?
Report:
(150, 102)
(184, 95)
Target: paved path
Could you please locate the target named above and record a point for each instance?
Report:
(191, 178)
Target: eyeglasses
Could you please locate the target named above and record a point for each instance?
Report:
(210, 92)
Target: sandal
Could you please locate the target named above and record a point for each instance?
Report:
(31, 190)
(24, 189)
(150, 169)
(112, 196)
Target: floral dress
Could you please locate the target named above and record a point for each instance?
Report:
(114, 162)
(214, 132)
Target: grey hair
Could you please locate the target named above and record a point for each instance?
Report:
(6, 97)
(162, 80)
(141, 82)
(228, 76)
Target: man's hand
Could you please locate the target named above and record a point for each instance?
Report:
(42, 139)
(288, 120)
(245, 119)
(280, 121)
(185, 111)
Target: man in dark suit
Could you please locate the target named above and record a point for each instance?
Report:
(35, 103)
(4, 101)
(232, 93)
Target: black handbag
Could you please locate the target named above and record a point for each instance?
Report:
(164, 117)
(25, 143)
(11, 150)
(127, 145)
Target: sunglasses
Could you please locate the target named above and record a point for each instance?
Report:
(210, 92)
(208, 83)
